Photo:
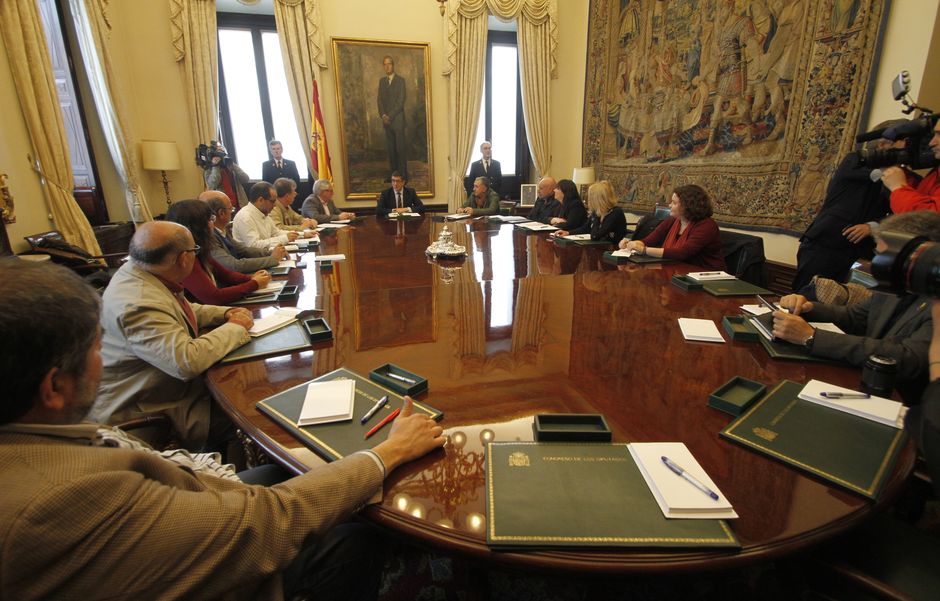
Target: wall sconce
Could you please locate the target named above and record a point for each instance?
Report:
(162, 157)
(441, 3)
(583, 177)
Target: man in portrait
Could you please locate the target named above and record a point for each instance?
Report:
(391, 101)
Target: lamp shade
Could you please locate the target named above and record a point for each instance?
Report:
(159, 156)
(583, 175)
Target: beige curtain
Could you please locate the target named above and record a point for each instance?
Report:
(195, 45)
(24, 37)
(465, 49)
(298, 28)
(94, 30)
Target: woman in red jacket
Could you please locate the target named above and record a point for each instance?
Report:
(210, 283)
(689, 234)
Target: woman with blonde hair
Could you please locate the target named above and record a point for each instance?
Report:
(606, 220)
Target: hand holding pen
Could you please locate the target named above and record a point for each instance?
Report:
(796, 304)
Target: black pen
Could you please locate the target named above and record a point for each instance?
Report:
(844, 395)
(401, 378)
(371, 412)
(770, 305)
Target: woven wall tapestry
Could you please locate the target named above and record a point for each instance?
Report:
(755, 100)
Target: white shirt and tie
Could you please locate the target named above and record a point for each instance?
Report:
(253, 228)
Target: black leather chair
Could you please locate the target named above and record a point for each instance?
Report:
(744, 256)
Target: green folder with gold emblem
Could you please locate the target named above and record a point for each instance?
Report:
(542, 494)
(338, 439)
(844, 449)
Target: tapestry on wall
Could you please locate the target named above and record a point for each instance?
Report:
(755, 100)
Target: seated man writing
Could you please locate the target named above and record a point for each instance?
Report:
(154, 355)
(888, 325)
(90, 513)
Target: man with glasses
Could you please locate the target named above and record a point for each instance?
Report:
(154, 356)
(253, 227)
(320, 205)
(284, 217)
(230, 253)
(398, 198)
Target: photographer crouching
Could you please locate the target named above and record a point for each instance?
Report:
(222, 173)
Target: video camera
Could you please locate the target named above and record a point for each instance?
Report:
(910, 263)
(917, 133)
(205, 154)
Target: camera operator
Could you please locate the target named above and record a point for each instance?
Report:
(223, 174)
(841, 232)
(909, 194)
(896, 327)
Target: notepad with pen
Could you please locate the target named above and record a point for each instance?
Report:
(336, 439)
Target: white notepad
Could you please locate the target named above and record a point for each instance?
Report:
(538, 227)
(456, 216)
(677, 497)
(708, 276)
(877, 409)
(394, 215)
(509, 218)
(334, 225)
(328, 402)
(339, 257)
(274, 321)
(623, 252)
(577, 237)
(703, 330)
(287, 263)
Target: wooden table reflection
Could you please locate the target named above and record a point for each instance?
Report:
(525, 326)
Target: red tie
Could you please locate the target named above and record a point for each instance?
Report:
(188, 310)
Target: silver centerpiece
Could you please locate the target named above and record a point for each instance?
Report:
(444, 246)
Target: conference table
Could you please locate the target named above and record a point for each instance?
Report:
(523, 326)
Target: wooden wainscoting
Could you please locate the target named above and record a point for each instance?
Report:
(780, 276)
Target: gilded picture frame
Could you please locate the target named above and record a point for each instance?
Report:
(384, 115)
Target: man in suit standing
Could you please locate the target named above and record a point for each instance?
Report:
(893, 326)
(391, 100)
(278, 166)
(398, 198)
(485, 167)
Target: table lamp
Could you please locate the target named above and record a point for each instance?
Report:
(162, 157)
(583, 177)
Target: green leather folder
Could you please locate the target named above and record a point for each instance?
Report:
(543, 494)
(279, 342)
(844, 449)
(733, 288)
(338, 439)
(781, 349)
(566, 241)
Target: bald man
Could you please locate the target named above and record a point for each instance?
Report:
(153, 355)
(229, 252)
(545, 206)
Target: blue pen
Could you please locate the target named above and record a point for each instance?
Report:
(689, 478)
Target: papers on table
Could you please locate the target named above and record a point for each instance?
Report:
(394, 215)
(456, 216)
(287, 263)
(328, 402)
(755, 309)
(623, 252)
(278, 319)
(333, 225)
(708, 276)
(676, 495)
(577, 237)
(271, 287)
(825, 325)
(292, 248)
(340, 221)
(877, 409)
(509, 218)
(703, 330)
(535, 226)
(339, 257)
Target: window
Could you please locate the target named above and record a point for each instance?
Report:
(254, 98)
(501, 120)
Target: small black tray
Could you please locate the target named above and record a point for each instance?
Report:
(288, 293)
(577, 427)
(279, 271)
(739, 328)
(317, 329)
(685, 282)
(736, 395)
(380, 375)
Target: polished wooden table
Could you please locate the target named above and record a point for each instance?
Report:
(527, 326)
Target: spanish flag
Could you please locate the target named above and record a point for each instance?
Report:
(319, 152)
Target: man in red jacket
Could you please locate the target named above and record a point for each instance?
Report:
(909, 195)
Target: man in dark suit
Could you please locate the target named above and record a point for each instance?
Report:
(398, 198)
(391, 100)
(545, 206)
(278, 166)
(893, 326)
(485, 167)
